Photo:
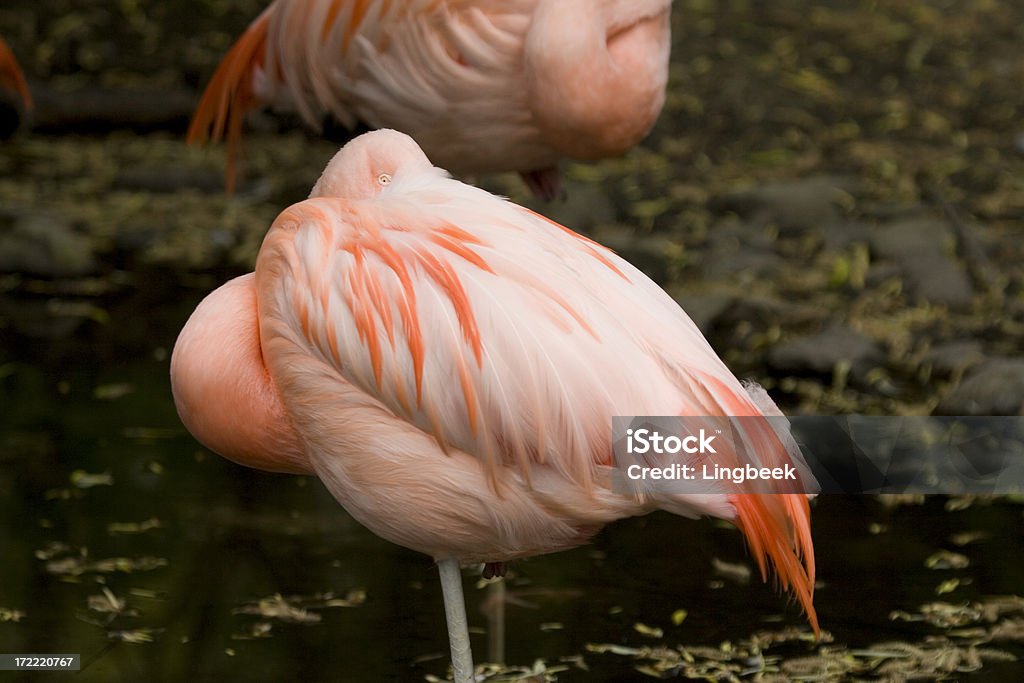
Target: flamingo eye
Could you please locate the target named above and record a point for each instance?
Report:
(383, 179)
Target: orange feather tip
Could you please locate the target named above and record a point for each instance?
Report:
(778, 530)
(229, 97)
(12, 77)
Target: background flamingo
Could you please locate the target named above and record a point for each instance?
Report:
(12, 78)
(482, 85)
(448, 364)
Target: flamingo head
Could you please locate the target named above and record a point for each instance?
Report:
(366, 165)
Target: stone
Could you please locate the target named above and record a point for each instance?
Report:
(946, 360)
(930, 274)
(705, 309)
(995, 387)
(820, 353)
(43, 244)
(795, 206)
(650, 253)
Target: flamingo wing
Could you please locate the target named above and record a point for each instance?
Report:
(422, 66)
(11, 76)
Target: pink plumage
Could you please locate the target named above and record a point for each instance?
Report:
(448, 363)
(481, 85)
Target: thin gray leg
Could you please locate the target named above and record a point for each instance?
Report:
(455, 614)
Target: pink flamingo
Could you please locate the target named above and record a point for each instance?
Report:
(11, 76)
(482, 85)
(448, 364)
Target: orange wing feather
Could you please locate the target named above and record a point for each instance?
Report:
(229, 96)
(777, 526)
(11, 76)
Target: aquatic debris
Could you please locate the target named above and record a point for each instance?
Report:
(76, 566)
(679, 616)
(136, 636)
(649, 631)
(115, 528)
(110, 392)
(734, 571)
(84, 480)
(76, 561)
(936, 657)
(968, 537)
(259, 629)
(892, 500)
(7, 614)
(276, 607)
(106, 603)
(297, 609)
(992, 619)
(539, 672)
(945, 559)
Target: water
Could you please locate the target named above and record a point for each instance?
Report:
(223, 537)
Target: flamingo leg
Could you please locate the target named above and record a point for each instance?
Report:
(496, 621)
(455, 614)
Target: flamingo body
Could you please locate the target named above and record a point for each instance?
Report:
(482, 85)
(448, 363)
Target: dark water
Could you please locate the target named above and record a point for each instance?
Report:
(224, 537)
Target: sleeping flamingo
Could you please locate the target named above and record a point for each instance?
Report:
(11, 76)
(448, 364)
(481, 85)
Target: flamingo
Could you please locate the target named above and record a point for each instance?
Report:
(448, 363)
(11, 76)
(482, 85)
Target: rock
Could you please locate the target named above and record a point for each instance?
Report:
(949, 359)
(930, 274)
(881, 271)
(820, 353)
(650, 253)
(745, 264)
(838, 236)
(584, 206)
(900, 240)
(739, 249)
(43, 244)
(938, 279)
(995, 387)
(795, 206)
(169, 179)
(705, 309)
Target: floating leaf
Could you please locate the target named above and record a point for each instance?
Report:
(277, 607)
(133, 527)
(649, 631)
(109, 392)
(135, 636)
(945, 559)
(14, 615)
(85, 480)
(740, 573)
